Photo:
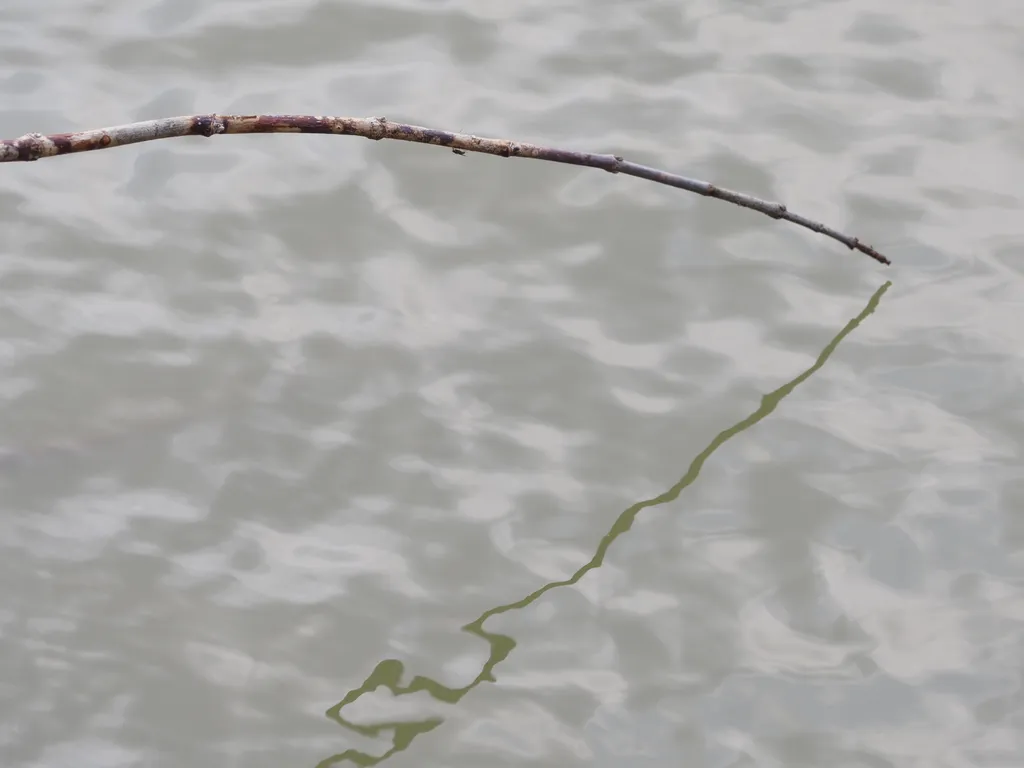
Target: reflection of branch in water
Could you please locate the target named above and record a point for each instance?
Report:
(389, 672)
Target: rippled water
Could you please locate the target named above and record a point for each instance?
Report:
(318, 451)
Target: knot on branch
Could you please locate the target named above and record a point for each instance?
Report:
(207, 125)
(613, 167)
(31, 146)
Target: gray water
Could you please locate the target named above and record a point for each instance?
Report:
(319, 451)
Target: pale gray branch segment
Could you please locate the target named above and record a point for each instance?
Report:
(33, 146)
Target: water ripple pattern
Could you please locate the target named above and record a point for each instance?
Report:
(316, 451)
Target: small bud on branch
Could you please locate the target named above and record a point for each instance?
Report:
(33, 146)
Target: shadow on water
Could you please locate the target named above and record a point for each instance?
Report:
(389, 672)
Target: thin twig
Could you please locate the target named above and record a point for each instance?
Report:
(33, 146)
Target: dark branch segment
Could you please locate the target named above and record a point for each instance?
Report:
(33, 146)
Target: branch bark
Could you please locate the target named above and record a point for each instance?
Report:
(33, 146)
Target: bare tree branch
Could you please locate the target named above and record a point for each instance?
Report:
(33, 146)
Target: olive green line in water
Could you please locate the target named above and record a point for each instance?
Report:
(389, 672)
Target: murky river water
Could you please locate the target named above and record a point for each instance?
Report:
(319, 451)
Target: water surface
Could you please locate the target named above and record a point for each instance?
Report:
(319, 451)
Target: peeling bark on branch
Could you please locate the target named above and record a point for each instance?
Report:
(33, 146)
